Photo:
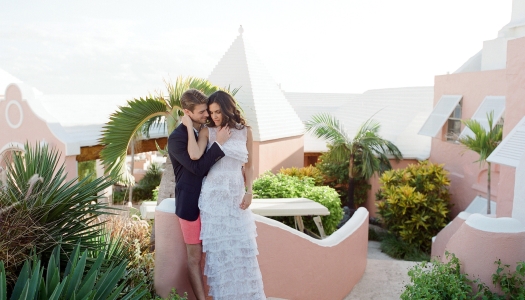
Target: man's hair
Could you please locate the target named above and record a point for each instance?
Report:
(192, 98)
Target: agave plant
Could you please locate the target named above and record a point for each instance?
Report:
(40, 208)
(75, 283)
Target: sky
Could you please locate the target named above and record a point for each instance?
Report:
(348, 46)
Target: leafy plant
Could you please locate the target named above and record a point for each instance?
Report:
(483, 142)
(397, 248)
(336, 174)
(174, 296)
(87, 169)
(512, 284)
(39, 208)
(367, 147)
(75, 283)
(438, 280)
(279, 185)
(414, 202)
(309, 171)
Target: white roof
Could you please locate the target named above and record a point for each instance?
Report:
(265, 107)
(400, 111)
(83, 116)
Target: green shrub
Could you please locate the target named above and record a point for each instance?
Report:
(285, 186)
(87, 169)
(414, 202)
(512, 284)
(76, 282)
(174, 296)
(397, 248)
(437, 280)
(336, 176)
(143, 190)
(309, 171)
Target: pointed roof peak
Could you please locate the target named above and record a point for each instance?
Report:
(265, 106)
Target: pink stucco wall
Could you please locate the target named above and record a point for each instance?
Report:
(467, 178)
(32, 128)
(294, 266)
(276, 154)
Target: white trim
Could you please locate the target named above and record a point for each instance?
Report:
(440, 115)
(497, 225)
(512, 148)
(490, 103)
(15, 103)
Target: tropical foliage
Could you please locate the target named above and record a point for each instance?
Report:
(366, 153)
(414, 202)
(483, 142)
(336, 174)
(279, 185)
(39, 208)
(76, 282)
(309, 171)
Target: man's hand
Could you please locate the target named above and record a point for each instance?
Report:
(223, 135)
(246, 201)
(186, 120)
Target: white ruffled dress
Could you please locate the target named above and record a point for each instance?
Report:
(228, 232)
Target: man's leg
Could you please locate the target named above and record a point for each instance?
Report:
(194, 252)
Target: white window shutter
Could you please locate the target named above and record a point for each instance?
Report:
(511, 149)
(440, 115)
(490, 103)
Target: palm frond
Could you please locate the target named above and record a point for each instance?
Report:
(483, 141)
(122, 127)
(325, 126)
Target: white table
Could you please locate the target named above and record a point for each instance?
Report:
(296, 207)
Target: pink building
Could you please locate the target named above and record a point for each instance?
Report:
(492, 80)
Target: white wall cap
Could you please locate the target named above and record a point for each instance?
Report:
(355, 222)
(496, 225)
(479, 205)
(463, 215)
(167, 205)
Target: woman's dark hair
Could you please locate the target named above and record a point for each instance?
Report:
(231, 115)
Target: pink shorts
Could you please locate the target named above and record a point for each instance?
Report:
(191, 230)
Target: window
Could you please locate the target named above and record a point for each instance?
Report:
(494, 104)
(454, 123)
(439, 116)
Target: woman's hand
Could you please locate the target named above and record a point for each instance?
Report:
(186, 120)
(246, 201)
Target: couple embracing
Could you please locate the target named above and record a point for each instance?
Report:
(212, 161)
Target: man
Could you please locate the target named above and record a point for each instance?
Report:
(188, 177)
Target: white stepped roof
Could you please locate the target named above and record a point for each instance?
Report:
(265, 107)
(400, 111)
(83, 116)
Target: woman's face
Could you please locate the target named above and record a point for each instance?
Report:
(215, 114)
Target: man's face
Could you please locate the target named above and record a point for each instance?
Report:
(199, 113)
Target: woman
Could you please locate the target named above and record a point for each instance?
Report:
(228, 228)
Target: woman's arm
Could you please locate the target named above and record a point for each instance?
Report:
(195, 148)
(248, 171)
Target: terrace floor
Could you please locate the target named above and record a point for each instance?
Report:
(384, 276)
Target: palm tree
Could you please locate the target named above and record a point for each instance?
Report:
(483, 142)
(139, 116)
(366, 152)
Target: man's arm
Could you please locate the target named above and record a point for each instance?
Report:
(178, 148)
